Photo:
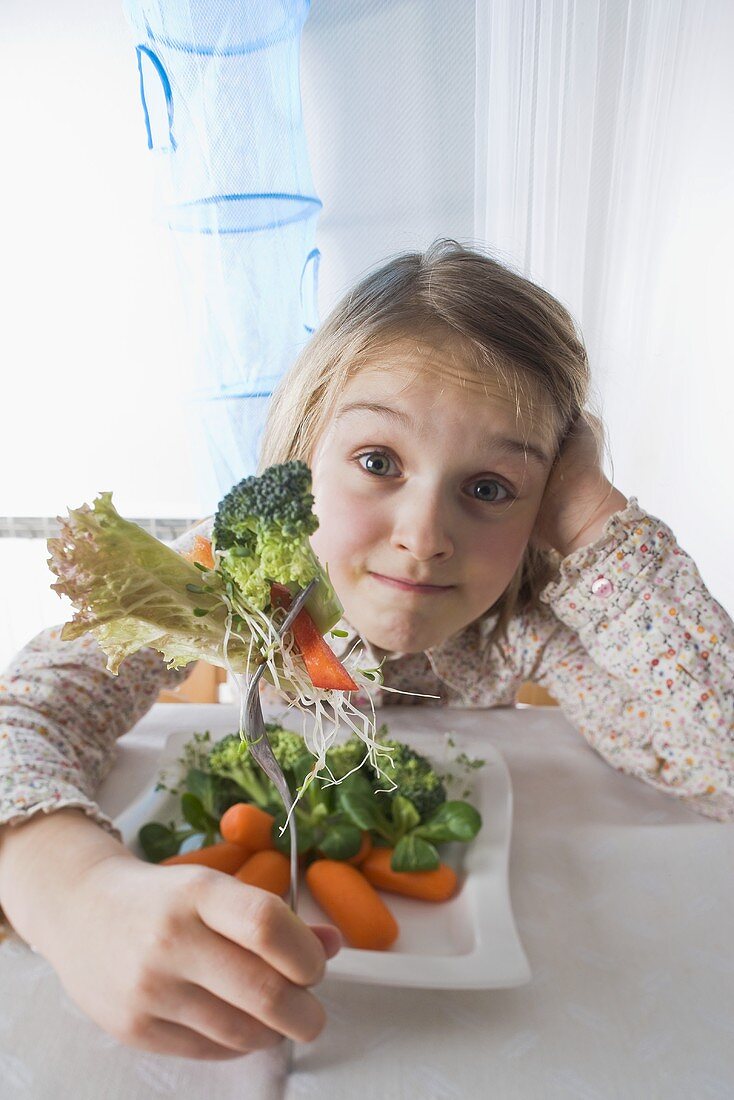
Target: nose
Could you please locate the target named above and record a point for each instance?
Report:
(420, 524)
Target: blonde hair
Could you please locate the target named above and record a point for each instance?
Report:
(506, 327)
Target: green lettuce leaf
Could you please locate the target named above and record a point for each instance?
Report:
(130, 590)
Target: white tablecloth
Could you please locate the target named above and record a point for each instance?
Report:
(624, 903)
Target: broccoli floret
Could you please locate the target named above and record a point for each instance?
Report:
(414, 776)
(263, 526)
(288, 747)
(344, 758)
(230, 758)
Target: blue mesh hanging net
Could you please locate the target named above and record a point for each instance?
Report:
(219, 82)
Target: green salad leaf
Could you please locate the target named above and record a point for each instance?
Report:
(133, 591)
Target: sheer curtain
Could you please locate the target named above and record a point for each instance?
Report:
(605, 172)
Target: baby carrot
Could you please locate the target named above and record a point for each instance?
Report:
(201, 552)
(364, 850)
(268, 869)
(355, 907)
(435, 885)
(247, 824)
(225, 857)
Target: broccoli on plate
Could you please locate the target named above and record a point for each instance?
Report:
(414, 776)
(230, 758)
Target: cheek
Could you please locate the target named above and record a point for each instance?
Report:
(497, 553)
(347, 529)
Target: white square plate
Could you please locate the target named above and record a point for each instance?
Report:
(468, 942)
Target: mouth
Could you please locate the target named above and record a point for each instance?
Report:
(411, 586)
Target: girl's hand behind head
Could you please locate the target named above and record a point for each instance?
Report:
(578, 497)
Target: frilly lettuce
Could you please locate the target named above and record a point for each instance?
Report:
(131, 591)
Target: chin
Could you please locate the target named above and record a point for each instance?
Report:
(401, 641)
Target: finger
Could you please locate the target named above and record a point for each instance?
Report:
(164, 1037)
(331, 938)
(262, 923)
(242, 979)
(198, 1010)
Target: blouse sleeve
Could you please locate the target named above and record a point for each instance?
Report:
(641, 658)
(61, 713)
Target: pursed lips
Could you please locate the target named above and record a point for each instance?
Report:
(412, 586)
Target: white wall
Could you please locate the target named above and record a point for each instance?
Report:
(92, 340)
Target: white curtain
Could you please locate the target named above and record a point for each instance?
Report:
(605, 172)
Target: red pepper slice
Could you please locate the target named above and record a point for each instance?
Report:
(322, 665)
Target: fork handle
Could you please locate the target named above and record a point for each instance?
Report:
(287, 800)
(293, 893)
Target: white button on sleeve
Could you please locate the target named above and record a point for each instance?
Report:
(602, 587)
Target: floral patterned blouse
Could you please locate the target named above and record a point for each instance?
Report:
(628, 640)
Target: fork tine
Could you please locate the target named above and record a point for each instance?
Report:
(295, 608)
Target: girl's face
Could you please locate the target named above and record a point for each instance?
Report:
(426, 493)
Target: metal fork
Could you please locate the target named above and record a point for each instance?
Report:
(257, 739)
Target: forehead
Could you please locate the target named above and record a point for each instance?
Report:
(431, 379)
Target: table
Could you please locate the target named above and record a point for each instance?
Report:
(624, 903)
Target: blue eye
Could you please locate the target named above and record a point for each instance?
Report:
(491, 491)
(376, 462)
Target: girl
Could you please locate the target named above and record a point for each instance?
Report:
(475, 543)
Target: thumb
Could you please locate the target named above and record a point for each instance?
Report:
(330, 937)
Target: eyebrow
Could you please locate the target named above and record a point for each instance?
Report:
(501, 443)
